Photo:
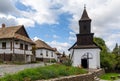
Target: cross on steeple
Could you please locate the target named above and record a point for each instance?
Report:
(84, 6)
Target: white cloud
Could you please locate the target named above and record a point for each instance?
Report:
(39, 11)
(8, 7)
(72, 37)
(55, 37)
(42, 11)
(71, 33)
(8, 20)
(61, 46)
(112, 39)
(36, 38)
(26, 22)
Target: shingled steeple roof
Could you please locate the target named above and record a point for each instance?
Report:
(85, 15)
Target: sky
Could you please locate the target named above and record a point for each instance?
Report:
(56, 21)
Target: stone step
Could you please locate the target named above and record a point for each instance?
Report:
(96, 79)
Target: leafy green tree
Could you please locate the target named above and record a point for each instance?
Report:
(116, 49)
(33, 52)
(107, 59)
(116, 52)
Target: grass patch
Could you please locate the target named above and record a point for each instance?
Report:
(108, 76)
(46, 72)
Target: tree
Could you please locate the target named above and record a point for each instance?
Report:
(107, 59)
(33, 52)
(116, 49)
(100, 42)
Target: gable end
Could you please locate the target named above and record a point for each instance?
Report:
(22, 31)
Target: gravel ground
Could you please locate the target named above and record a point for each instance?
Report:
(5, 68)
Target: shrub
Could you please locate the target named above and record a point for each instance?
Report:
(53, 60)
(108, 76)
(68, 62)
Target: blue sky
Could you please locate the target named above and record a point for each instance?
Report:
(56, 21)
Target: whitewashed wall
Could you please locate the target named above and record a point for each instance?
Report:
(43, 51)
(56, 57)
(7, 46)
(78, 53)
(16, 46)
(19, 51)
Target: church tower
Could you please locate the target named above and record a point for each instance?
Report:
(85, 37)
(85, 52)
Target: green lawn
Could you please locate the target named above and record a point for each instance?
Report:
(46, 72)
(108, 76)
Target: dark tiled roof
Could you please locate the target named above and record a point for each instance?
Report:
(85, 16)
(11, 32)
(94, 45)
(42, 45)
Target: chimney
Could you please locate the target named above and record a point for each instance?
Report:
(3, 25)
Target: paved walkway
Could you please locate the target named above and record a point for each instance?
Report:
(15, 68)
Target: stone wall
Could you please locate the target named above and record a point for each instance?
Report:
(83, 77)
(98, 73)
(45, 59)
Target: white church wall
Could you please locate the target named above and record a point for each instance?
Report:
(93, 63)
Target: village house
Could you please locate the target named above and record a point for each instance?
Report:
(85, 52)
(15, 44)
(44, 52)
(64, 58)
(58, 55)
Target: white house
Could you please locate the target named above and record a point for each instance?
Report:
(58, 55)
(44, 52)
(85, 52)
(15, 44)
